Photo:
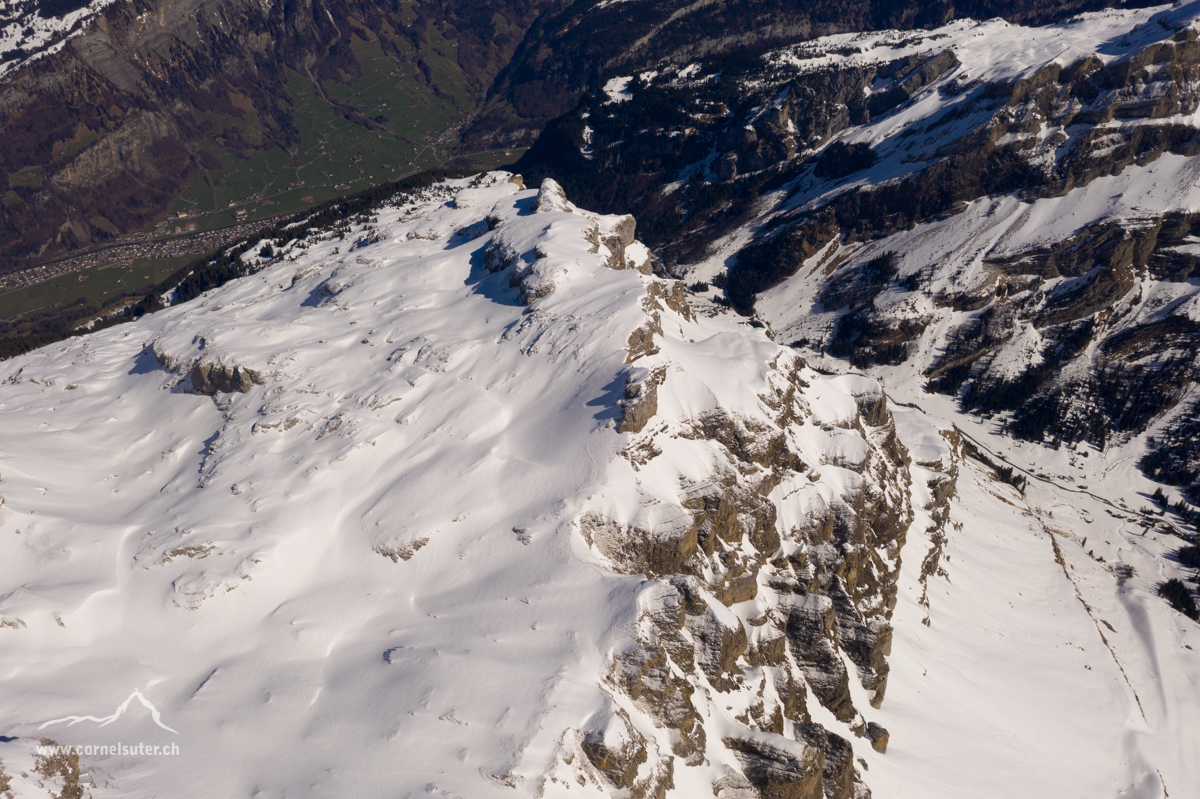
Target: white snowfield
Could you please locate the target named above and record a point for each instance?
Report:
(23, 27)
(994, 49)
(365, 575)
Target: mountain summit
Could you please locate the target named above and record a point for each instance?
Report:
(459, 498)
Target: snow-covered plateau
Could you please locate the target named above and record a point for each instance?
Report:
(461, 500)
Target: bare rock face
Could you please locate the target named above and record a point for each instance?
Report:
(777, 771)
(867, 641)
(645, 675)
(749, 440)
(719, 504)
(738, 603)
(617, 239)
(839, 778)
(551, 197)
(878, 736)
(660, 541)
(618, 758)
(617, 750)
(622, 233)
(209, 377)
(614, 234)
(127, 148)
(720, 641)
(640, 402)
(911, 75)
(641, 341)
(672, 294)
(734, 786)
(811, 633)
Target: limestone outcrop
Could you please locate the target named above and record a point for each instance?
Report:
(752, 599)
(212, 377)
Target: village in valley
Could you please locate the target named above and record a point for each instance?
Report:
(168, 241)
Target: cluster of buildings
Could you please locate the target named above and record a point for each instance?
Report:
(139, 246)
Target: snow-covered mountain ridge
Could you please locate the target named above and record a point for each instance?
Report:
(480, 395)
(459, 500)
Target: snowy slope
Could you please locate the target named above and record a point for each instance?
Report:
(33, 28)
(418, 508)
(1046, 667)
(366, 571)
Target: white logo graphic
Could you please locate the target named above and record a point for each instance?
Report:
(120, 711)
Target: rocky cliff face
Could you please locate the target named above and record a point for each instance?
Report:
(569, 50)
(761, 579)
(767, 527)
(491, 509)
(748, 603)
(1020, 234)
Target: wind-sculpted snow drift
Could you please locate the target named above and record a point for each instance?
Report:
(461, 500)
